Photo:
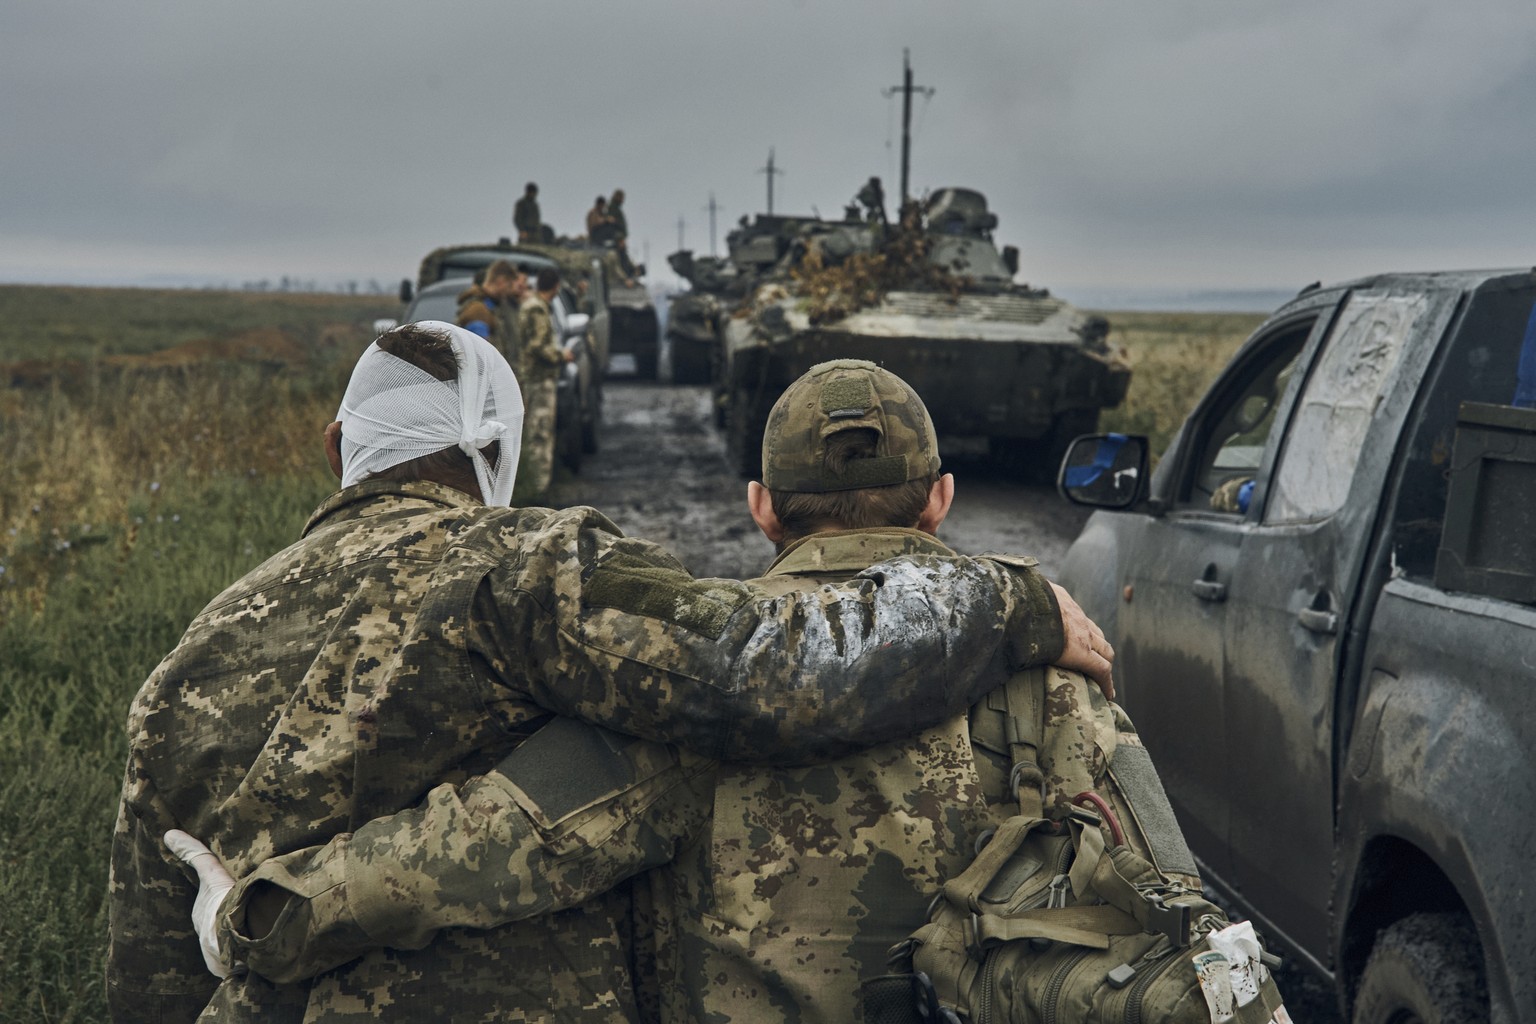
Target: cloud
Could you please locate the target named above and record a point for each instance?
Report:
(1190, 142)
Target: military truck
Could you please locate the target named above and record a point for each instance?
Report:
(588, 271)
(933, 300)
(1324, 609)
(448, 269)
(755, 250)
(635, 329)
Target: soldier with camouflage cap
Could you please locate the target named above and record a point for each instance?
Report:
(789, 884)
(421, 629)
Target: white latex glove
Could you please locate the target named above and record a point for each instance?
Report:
(214, 884)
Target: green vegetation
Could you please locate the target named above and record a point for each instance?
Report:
(138, 488)
(135, 491)
(83, 323)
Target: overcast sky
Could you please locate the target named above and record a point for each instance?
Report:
(1123, 144)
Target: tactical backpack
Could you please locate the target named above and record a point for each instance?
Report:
(1090, 914)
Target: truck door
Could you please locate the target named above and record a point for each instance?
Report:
(1290, 598)
(1179, 574)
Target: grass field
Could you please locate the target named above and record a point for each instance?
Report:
(159, 444)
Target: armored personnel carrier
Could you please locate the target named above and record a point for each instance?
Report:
(931, 299)
(755, 250)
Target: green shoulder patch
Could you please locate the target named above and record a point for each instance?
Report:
(635, 586)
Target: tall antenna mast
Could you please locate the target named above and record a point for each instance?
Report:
(906, 88)
(711, 208)
(679, 231)
(770, 170)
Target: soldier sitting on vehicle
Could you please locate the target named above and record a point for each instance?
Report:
(525, 215)
(597, 217)
(786, 886)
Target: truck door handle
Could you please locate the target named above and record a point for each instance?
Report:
(1209, 590)
(1318, 620)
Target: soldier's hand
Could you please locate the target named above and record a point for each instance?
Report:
(214, 884)
(1087, 651)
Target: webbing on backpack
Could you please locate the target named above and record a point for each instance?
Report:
(1024, 728)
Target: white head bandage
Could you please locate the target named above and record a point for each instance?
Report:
(393, 412)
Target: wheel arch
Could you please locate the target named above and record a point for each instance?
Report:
(1393, 879)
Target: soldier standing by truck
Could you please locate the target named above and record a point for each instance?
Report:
(489, 309)
(538, 371)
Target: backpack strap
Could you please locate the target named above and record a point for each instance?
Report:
(1023, 699)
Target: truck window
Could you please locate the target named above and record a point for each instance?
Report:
(1480, 363)
(1334, 412)
(1240, 424)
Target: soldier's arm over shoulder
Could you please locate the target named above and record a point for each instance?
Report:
(566, 816)
(614, 631)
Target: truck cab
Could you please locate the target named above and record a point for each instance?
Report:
(1345, 736)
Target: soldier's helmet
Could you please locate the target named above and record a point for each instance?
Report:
(847, 394)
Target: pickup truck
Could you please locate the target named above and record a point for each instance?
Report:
(1323, 603)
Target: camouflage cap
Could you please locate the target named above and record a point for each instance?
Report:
(846, 394)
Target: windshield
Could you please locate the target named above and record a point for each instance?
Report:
(434, 305)
(471, 261)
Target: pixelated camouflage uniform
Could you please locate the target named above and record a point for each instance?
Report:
(806, 877)
(1229, 496)
(538, 372)
(791, 883)
(501, 316)
(413, 637)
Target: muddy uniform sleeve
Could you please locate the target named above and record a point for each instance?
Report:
(155, 969)
(610, 630)
(571, 813)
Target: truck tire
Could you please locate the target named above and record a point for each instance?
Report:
(591, 424)
(690, 361)
(1424, 969)
(645, 362)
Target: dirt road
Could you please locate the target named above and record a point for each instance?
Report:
(661, 474)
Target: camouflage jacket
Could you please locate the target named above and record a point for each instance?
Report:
(788, 886)
(806, 877)
(541, 351)
(501, 318)
(413, 637)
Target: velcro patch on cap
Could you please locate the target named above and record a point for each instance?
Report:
(846, 397)
(860, 473)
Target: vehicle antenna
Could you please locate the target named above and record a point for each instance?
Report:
(906, 88)
(711, 208)
(770, 170)
(680, 231)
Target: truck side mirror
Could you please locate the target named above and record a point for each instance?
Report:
(1105, 471)
(405, 290)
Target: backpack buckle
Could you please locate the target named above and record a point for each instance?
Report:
(1172, 919)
